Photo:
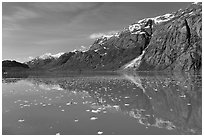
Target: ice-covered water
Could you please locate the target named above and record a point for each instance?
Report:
(120, 104)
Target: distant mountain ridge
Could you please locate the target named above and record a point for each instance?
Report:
(8, 65)
(171, 42)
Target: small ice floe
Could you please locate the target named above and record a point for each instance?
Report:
(87, 110)
(21, 120)
(68, 103)
(86, 102)
(93, 118)
(155, 89)
(26, 105)
(127, 97)
(100, 132)
(74, 103)
(57, 133)
(183, 96)
(76, 120)
(44, 105)
(95, 111)
(188, 104)
(62, 110)
(126, 104)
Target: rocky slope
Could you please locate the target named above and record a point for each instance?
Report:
(43, 60)
(177, 44)
(168, 42)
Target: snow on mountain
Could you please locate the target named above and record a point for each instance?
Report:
(135, 63)
(104, 38)
(49, 55)
(157, 19)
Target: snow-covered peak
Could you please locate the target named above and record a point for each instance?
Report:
(156, 20)
(163, 18)
(104, 38)
(134, 27)
(45, 56)
(58, 55)
(49, 55)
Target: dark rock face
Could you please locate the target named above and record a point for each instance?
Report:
(176, 45)
(8, 65)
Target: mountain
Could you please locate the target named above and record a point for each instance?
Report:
(170, 42)
(43, 60)
(8, 65)
(177, 44)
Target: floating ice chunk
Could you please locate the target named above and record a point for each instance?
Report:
(57, 133)
(93, 118)
(100, 132)
(104, 111)
(68, 103)
(183, 96)
(95, 111)
(62, 110)
(76, 120)
(21, 120)
(75, 103)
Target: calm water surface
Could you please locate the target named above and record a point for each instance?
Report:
(119, 104)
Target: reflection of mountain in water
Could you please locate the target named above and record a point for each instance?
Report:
(177, 99)
(171, 102)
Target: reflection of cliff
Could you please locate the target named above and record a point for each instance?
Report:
(175, 98)
(171, 102)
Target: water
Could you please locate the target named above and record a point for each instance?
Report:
(135, 104)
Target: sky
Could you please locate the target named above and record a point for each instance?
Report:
(31, 29)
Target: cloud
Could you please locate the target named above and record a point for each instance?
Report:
(98, 35)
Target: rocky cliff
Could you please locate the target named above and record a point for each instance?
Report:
(168, 42)
(176, 45)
